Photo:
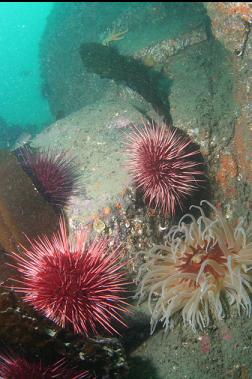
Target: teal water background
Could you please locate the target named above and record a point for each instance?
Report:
(21, 28)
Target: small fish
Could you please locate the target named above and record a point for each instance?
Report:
(25, 73)
(120, 122)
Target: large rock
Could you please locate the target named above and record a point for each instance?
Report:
(94, 136)
(67, 84)
(231, 25)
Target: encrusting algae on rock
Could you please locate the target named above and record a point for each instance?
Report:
(205, 263)
(98, 225)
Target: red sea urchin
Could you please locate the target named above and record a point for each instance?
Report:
(53, 174)
(19, 368)
(73, 282)
(165, 165)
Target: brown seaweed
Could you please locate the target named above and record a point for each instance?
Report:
(23, 211)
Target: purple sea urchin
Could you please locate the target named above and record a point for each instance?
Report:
(164, 165)
(202, 261)
(54, 175)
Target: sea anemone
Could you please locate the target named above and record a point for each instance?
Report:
(20, 368)
(73, 282)
(165, 166)
(205, 265)
(55, 175)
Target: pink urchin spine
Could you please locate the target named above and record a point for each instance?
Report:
(14, 367)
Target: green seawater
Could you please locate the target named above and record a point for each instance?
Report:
(21, 27)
